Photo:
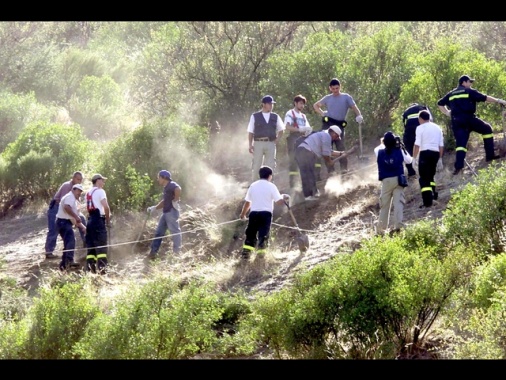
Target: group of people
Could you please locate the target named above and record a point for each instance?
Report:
(423, 147)
(64, 215)
(266, 128)
(421, 150)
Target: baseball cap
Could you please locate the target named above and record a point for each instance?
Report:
(77, 186)
(465, 78)
(334, 82)
(164, 174)
(336, 129)
(268, 99)
(97, 176)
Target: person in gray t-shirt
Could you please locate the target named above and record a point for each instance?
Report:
(337, 104)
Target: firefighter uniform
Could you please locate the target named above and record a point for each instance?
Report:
(462, 103)
(410, 122)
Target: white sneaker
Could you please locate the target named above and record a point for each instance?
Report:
(311, 198)
(317, 195)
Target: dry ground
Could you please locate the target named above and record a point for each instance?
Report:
(212, 234)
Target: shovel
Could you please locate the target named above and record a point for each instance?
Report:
(302, 239)
(141, 232)
(361, 158)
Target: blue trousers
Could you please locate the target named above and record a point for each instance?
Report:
(168, 221)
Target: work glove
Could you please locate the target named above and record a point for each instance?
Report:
(501, 102)
(439, 166)
(359, 119)
(151, 209)
(176, 205)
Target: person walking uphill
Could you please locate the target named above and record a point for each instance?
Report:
(259, 201)
(52, 232)
(428, 153)
(337, 104)
(390, 162)
(66, 217)
(410, 122)
(460, 105)
(265, 129)
(99, 219)
(170, 217)
(315, 147)
(297, 125)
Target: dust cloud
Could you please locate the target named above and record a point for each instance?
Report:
(220, 176)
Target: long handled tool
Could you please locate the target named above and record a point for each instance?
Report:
(471, 168)
(141, 232)
(302, 239)
(361, 156)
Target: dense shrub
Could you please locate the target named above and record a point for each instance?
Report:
(59, 319)
(43, 156)
(156, 321)
(477, 213)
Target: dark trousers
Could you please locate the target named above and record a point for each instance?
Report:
(408, 139)
(257, 231)
(66, 231)
(462, 128)
(96, 241)
(427, 170)
(52, 231)
(293, 169)
(306, 161)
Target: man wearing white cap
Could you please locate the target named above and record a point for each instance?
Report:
(316, 146)
(66, 217)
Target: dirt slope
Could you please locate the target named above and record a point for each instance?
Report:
(337, 222)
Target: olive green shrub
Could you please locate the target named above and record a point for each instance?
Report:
(158, 320)
(43, 156)
(377, 303)
(477, 212)
(59, 318)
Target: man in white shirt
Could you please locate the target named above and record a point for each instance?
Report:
(66, 217)
(259, 201)
(428, 156)
(297, 124)
(265, 129)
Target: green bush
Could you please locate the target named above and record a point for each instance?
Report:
(488, 278)
(55, 149)
(156, 321)
(483, 334)
(477, 213)
(59, 319)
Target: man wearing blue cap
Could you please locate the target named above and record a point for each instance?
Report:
(265, 129)
(170, 216)
(460, 105)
